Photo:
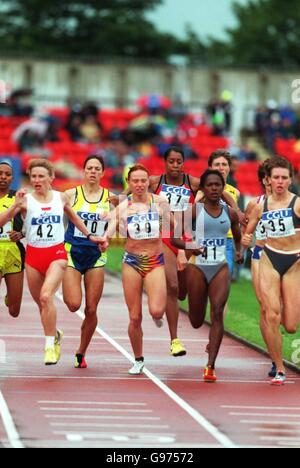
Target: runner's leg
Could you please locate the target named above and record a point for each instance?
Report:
(172, 309)
(72, 290)
(94, 283)
(271, 296)
(156, 289)
(219, 290)
(197, 295)
(14, 284)
(291, 299)
(182, 283)
(43, 290)
(133, 291)
(255, 265)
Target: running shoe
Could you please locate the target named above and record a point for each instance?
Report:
(50, 357)
(209, 375)
(58, 342)
(177, 348)
(273, 370)
(279, 379)
(80, 362)
(137, 369)
(159, 323)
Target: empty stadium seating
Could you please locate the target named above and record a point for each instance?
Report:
(200, 140)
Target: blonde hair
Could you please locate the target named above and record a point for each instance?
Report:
(44, 163)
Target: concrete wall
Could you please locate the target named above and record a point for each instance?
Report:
(118, 84)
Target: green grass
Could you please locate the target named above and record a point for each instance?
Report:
(242, 317)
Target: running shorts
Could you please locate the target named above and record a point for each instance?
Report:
(41, 259)
(12, 258)
(83, 259)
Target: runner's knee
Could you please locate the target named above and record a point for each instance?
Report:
(136, 321)
(72, 305)
(90, 312)
(14, 311)
(273, 317)
(46, 299)
(157, 313)
(196, 322)
(291, 328)
(173, 289)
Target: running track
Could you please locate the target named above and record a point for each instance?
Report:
(169, 407)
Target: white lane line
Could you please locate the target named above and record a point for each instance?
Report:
(288, 444)
(88, 403)
(281, 439)
(271, 423)
(101, 418)
(275, 408)
(96, 410)
(199, 418)
(141, 378)
(275, 431)
(9, 425)
(267, 415)
(111, 426)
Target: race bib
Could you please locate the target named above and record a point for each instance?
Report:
(177, 197)
(46, 230)
(261, 232)
(144, 226)
(214, 252)
(279, 223)
(94, 224)
(4, 236)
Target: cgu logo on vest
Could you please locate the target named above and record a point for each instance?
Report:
(176, 190)
(46, 220)
(89, 216)
(279, 214)
(144, 218)
(213, 243)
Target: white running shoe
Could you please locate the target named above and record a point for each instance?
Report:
(137, 369)
(279, 380)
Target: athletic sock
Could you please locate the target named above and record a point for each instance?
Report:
(50, 342)
(140, 359)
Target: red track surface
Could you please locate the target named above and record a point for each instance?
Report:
(104, 407)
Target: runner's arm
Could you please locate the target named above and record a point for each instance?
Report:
(17, 207)
(237, 236)
(254, 219)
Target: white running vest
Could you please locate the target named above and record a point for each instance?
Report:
(44, 223)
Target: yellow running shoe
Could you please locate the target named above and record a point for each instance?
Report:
(57, 344)
(50, 357)
(177, 348)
